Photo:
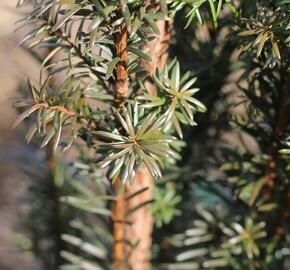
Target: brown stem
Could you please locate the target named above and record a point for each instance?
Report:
(142, 220)
(282, 118)
(59, 108)
(121, 67)
(52, 159)
(120, 208)
(57, 218)
(119, 233)
(140, 230)
(158, 48)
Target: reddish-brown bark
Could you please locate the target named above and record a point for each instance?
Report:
(141, 222)
(282, 120)
(120, 208)
(141, 230)
(121, 67)
(119, 233)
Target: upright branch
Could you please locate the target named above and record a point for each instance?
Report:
(119, 212)
(282, 118)
(142, 220)
(139, 228)
(158, 48)
(119, 233)
(121, 66)
(283, 112)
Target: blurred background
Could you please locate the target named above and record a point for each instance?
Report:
(15, 154)
(214, 59)
(19, 160)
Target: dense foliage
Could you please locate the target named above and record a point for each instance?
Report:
(222, 200)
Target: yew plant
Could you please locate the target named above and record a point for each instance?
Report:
(124, 105)
(102, 49)
(116, 84)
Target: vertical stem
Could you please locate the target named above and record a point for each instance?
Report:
(119, 211)
(142, 220)
(119, 233)
(121, 67)
(51, 159)
(282, 118)
(158, 48)
(57, 219)
(282, 122)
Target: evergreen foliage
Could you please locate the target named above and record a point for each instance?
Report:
(222, 191)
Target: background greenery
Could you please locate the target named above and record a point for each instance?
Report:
(225, 203)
